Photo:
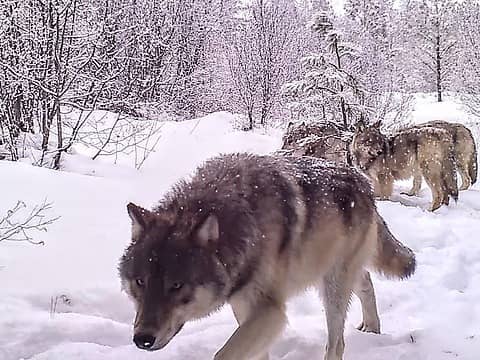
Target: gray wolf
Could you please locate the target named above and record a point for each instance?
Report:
(417, 152)
(464, 150)
(324, 140)
(253, 231)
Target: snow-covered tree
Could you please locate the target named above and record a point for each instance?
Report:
(431, 32)
(161, 51)
(44, 61)
(100, 54)
(373, 27)
(327, 89)
(469, 62)
(260, 48)
(366, 24)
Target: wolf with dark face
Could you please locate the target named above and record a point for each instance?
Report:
(417, 152)
(253, 231)
(465, 152)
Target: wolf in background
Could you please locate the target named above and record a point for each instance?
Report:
(417, 152)
(253, 231)
(465, 153)
(324, 140)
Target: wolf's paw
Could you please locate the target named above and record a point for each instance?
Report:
(369, 328)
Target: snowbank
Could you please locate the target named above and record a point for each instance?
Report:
(427, 108)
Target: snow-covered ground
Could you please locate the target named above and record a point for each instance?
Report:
(63, 301)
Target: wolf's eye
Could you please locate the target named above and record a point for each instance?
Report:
(176, 286)
(140, 282)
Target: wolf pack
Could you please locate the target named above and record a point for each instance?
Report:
(253, 231)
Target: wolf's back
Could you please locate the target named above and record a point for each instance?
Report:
(393, 259)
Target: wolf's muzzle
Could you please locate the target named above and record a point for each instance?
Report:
(144, 341)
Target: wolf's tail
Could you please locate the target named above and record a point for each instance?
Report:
(393, 259)
(449, 174)
(472, 164)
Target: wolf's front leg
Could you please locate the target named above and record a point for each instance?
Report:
(384, 186)
(259, 327)
(337, 288)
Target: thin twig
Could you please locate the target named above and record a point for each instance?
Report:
(12, 229)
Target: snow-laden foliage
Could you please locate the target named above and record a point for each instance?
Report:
(328, 89)
(432, 37)
(260, 49)
(271, 61)
(356, 68)
(468, 74)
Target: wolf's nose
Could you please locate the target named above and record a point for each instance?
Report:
(144, 341)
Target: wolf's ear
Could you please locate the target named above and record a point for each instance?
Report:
(377, 124)
(360, 126)
(290, 124)
(139, 216)
(208, 231)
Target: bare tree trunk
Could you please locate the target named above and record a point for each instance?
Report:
(342, 105)
(46, 123)
(438, 68)
(342, 102)
(438, 55)
(250, 120)
(17, 109)
(58, 155)
(49, 51)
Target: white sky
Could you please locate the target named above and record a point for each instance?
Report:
(337, 5)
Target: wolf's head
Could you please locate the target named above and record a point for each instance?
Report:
(170, 274)
(294, 133)
(368, 145)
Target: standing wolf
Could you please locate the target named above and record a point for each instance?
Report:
(416, 152)
(464, 150)
(254, 231)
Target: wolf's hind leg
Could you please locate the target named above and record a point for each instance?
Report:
(337, 289)
(466, 181)
(365, 292)
(259, 326)
(437, 192)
